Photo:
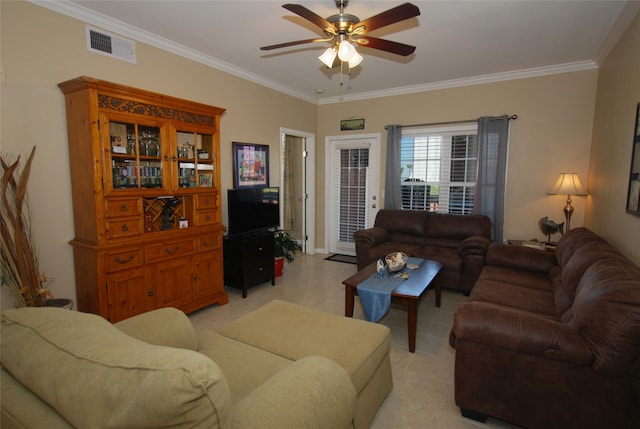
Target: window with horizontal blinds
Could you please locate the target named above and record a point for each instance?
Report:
(438, 169)
(352, 182)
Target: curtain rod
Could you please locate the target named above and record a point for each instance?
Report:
(466, 121)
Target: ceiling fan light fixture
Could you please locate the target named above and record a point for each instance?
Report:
(328, 57)
(355, 60)
(346, 51)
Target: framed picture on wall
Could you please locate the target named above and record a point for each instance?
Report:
(250, 165)
(633, 196)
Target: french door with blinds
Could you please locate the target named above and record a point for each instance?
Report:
(353, 183)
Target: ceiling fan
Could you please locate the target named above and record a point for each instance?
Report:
(345, 28)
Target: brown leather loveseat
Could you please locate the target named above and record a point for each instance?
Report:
(552, 340)
(458, 241)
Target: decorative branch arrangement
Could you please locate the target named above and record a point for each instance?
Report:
(20, 270)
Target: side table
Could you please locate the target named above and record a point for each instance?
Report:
(248, 261)
(535, 244)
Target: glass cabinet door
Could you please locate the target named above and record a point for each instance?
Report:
(195, 160)
(136, 155)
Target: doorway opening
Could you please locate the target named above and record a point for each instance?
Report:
(297, 186)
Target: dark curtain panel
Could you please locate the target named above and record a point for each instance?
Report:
(392, 191)
(493, 137)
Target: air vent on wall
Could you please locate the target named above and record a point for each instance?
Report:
(105, 43)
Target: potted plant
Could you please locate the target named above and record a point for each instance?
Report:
(20, 268)
(285, 247)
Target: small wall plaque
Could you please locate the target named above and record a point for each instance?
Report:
(352, 124)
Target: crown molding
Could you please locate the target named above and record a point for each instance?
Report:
(88, 16)
(91, 17)
(456, 83)
(622, 23)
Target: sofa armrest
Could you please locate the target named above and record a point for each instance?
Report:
(474, 245)
(371, 236)
(519, 332)
(162, 327)
(520, 258)
(311, 393)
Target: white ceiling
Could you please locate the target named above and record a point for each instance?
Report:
(458, 42)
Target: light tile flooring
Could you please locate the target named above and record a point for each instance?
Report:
(423, 391)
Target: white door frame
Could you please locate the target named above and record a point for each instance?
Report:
(330, 179)
(308, 184)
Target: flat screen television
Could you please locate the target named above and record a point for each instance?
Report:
(253, 210)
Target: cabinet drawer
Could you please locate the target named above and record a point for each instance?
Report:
(206, 202)
(169, 250)
(119, 228)
(119, 208)
(209, 242)
(124, 259)
(208, 217)
(259, 250)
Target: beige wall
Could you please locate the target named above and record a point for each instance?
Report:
(40, 48)
(551, 135)
(617, 97)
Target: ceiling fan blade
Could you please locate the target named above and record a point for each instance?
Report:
(386, 45)
(391, 16)
(310, 16)
(296, 42)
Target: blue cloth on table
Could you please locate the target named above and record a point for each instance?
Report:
(375, 292)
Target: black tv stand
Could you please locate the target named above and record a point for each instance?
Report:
(248, 260)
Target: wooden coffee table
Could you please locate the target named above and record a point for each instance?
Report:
(407, 295)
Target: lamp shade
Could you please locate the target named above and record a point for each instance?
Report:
(328, 57)
(355, 59)
(567, 184)
(346, 51)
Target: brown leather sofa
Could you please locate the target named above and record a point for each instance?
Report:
(552, 340)
(458, 241)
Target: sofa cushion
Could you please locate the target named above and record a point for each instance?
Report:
(521, 258)
(238, 362)
(96, 376)
(383, 249)
(573, 240)
(449, 257)
(162, 327)
(561, 298)
(358, 346)
(606, 312)
(310, 393)
(402, 225)
(459, 227)
(581, 259)
(526, 279)
(505, 293)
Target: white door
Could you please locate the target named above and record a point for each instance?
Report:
(352, 188)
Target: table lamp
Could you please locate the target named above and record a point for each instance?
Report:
(569, 184)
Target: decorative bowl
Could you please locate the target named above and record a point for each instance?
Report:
(396, 261)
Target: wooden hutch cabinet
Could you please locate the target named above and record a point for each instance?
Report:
(145, 176)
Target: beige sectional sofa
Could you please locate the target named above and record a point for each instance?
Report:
(281, 366)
